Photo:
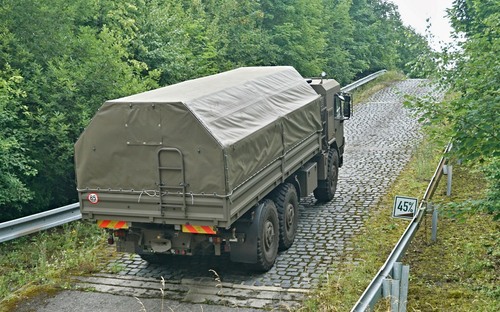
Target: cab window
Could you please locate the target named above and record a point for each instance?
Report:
(337, 106)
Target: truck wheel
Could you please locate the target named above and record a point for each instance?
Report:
(326, 189)
(268, 237)
(287, 203)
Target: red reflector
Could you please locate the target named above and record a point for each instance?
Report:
(120, 233)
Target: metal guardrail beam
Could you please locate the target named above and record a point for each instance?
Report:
(362, 81)
(40, 221)
(374, 291)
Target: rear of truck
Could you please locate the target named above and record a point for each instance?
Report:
(180, 170)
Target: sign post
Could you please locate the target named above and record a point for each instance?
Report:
(404, 207)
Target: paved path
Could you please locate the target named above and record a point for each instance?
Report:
(380, 139)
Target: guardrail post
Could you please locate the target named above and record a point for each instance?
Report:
(448, 170)
(396, 270)
(434, 223)
(386, 288)
(403, 295)
(397, 287)
(390, 289)
(395, 295)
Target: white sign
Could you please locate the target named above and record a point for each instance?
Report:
(404, 207)
(93, 198)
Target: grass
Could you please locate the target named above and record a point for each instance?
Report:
(42, 262)
(457, 273)
(460, 271)
(362, 93)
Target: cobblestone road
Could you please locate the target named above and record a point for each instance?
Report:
(380, 138)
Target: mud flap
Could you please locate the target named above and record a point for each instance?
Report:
(246, 252)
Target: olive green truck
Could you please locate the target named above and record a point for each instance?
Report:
(212, 165)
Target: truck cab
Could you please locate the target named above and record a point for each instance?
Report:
(335, 109)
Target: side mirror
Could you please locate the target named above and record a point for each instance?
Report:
(347, 105)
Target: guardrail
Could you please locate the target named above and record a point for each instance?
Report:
(374, 290)
(40, 221)
(362, 81)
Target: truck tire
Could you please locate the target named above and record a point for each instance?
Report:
(326, 188)
(287, 203)
(267, 237)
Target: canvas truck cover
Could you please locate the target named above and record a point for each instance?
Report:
(225, 127)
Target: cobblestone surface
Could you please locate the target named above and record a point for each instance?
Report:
(380, 138)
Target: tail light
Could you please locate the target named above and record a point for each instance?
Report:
(121, 233)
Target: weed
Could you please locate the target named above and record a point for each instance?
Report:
(218, 280)
(162, 289)
(426, 158)
(143, 308)
(115, 267)
(46, 259)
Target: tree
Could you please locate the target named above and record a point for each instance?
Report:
(235, 27)
(473, 73)
(474, 115)
(15, 164)
(338, 29)
(64, 80)
(296, 35)
(416, 58)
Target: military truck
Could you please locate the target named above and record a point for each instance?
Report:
(212, 165)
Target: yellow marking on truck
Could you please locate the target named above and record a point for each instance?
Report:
(198, 229)
(111, 224)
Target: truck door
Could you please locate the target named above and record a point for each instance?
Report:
(338, 120)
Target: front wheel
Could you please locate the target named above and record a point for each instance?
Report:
(268, 237)
(326, 188)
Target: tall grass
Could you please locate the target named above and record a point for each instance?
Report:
(44, 260)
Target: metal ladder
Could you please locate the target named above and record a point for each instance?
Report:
(177, 167)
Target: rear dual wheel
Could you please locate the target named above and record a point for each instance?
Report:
(287, 202)
(267, 236)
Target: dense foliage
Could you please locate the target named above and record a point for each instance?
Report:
(60, 60)
(471, 70)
